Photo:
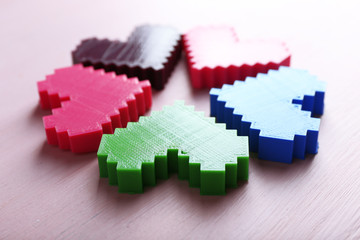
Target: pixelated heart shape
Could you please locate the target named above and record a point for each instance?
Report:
(150, 52)
(86, 103)
(215, 56)
(274, 110)
(176, 139)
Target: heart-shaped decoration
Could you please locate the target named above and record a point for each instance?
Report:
(176, 139)
(215, 56)
(150, 52)
(86, 103)
(274, 110)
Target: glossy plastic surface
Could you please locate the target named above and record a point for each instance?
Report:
(176, 139)
(150, 52)
(274, 110)
(86, 103)
(215, 56)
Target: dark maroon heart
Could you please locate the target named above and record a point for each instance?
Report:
(151, 52)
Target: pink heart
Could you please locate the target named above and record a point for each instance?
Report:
(86, 103)
(216, 56)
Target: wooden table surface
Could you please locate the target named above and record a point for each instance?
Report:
(47, 193)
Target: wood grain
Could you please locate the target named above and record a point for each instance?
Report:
(47, 193)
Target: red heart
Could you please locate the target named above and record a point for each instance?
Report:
(216, 56)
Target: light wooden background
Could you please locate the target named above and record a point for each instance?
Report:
(47, 193)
